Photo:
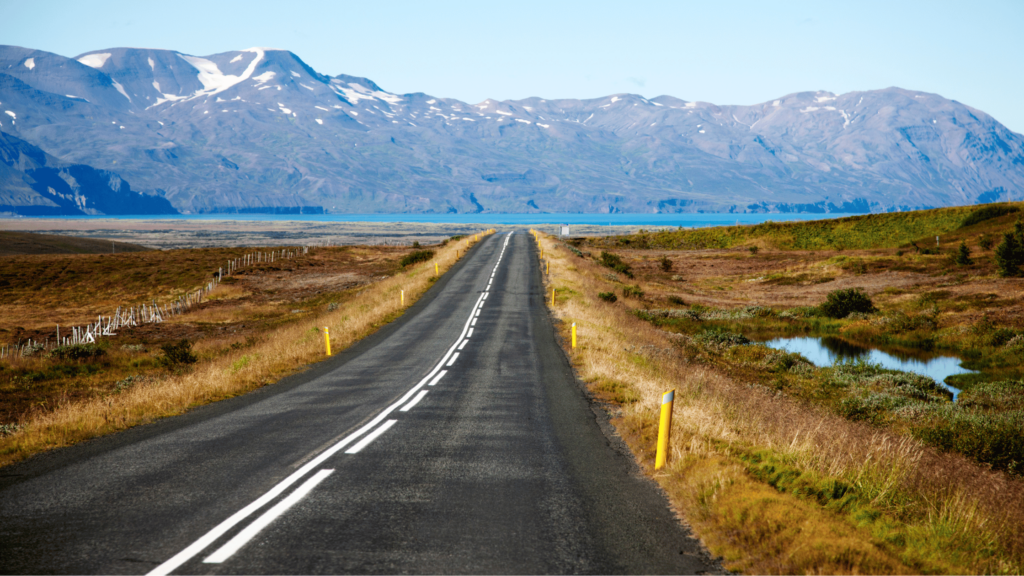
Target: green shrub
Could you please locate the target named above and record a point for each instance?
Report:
(986, 241)
(123, 385)
(1009, 254)
(417, 256)
(666, 264)
(632, 292)
(178, 353)
(721, 336)
(608, 296)
(614, 261)
(76, 352)
(1001, 336)
(963, 255)
(676, 300)
(841, 303)
(753, 250)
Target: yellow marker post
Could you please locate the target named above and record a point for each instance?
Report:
(664, 429)
(549, 267)
(552, 296)
(573, 335)
(327, 339)
(436, 273)
(401, 296)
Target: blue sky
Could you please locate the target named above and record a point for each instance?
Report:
(721, 52)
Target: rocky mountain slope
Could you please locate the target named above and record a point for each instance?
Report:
(37, 184)
(259, 130)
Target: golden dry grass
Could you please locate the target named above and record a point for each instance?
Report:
(747, 465)
(277, 354)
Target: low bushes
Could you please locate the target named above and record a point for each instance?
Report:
(416, 256)
(614, 261)
(842, 303)
(76, 352)
(178, 354)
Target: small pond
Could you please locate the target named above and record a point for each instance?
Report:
(828, 351)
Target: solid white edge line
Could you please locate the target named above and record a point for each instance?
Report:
(438, 377)
(250, 531)
(414, 401)
(210, 537)
(454, 358)
(370, 437)
(463, 345)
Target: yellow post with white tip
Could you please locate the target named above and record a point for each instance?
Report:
(664, 429)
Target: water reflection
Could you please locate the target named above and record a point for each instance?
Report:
(829, 350)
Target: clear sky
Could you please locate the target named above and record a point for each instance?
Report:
(721, 52)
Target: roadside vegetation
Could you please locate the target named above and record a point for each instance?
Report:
(259, 325)
(785, 467)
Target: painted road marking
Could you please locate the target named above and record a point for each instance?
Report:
(414, 402)
(454, 358)
(219, 530)
(370, 437)
(470, 332)
(438, 377)
(243, 537)
(463, 345)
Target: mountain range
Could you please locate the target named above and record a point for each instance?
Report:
(259, 130)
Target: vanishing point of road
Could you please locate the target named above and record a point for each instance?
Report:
(454, 440)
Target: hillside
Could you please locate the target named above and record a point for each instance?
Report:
(894, 230)
(258, 130)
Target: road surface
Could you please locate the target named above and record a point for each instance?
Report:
(454, 440)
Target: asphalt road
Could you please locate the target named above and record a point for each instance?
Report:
(395, 456)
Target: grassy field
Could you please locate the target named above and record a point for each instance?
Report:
(257, 326)
(24, 243)
(785, 467)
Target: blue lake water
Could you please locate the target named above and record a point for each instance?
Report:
(684, 220)
(829, 351)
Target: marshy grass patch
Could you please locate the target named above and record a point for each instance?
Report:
(764, 464)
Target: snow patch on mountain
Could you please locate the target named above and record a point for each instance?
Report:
(236, 59)
(30, 63)
(213, 80)
(121, 90)
(264, 78)
(95, 60)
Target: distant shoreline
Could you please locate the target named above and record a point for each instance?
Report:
(508, 219)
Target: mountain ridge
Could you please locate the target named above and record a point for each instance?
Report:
(259, 129)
